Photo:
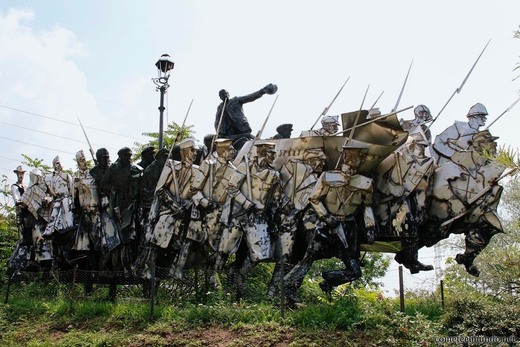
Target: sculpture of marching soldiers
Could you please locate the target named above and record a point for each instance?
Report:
(292, 201)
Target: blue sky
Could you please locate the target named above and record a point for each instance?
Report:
(95, 59)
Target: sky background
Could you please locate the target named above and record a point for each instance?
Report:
(94, 60)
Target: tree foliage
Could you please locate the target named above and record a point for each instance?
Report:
(173, 134)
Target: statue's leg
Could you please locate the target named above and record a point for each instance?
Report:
(476, 240)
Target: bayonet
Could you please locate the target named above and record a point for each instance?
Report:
(402, 88)
(91, 150)
(326, 109)
(179, 133)
(505, 111)
(457, 91)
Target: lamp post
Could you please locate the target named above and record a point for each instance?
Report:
(164, 65)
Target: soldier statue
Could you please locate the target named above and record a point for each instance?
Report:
(17, 189)
(457, 137)
(88, 238)
(61, 189)
(404, 183)
(234, 124)
(298, 177)
(210, 221)
(121, 184)
(255, 189)
(419, 123)
(170, 211)
(342, 200)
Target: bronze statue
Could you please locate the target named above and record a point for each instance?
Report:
(283, 131)
(121, 184)
(234, 124)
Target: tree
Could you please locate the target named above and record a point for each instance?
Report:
(173, 134)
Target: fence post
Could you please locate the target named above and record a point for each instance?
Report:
(401, 288)
(152, 293)
(442, 293)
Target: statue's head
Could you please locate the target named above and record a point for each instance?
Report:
(477, 115)
(56, 164)
(265, 152)
(223, 94)
(483, 141)
(315, 158)
(188, 150)
(81, 160)
(330, 124)
(422, 114)
(102, 156)
(225, 149)
(285, 130)
(125, 156)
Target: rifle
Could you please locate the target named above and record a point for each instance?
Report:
(506, 110)
(457, 91)
(347, 141)
(402, 88)
(180, 130)
(91, 150)
(326, 109)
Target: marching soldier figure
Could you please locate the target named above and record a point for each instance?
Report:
(255, 189)
(61, 189)
(457, 137)
(210, 221)
(121, 183)
(342, 200)
(406, 187)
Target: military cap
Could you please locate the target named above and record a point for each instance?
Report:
(187, 143)
(55, 160)
(149, 149)
(80, 154)
(330, 119)
(102, 152)
(36, 172)
(283, 127)
(124, 150)
(19, 168)
(263, 147)
(163, 152)
(484, 136)
(223, 142)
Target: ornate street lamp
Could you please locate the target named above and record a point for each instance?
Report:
(164, 65)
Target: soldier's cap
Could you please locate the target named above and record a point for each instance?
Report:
(55, 160)
(80, 154)
(330, 119)
(36, 172)
(102, 152)
(149, 149)
(314, 153)
(283, 127)
(484, 135)
(124, 150)
(187, 143)
(265, 146)
(19, 168)
(219, 143)
(163, 152)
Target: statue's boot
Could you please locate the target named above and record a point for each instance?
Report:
(335, 278)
